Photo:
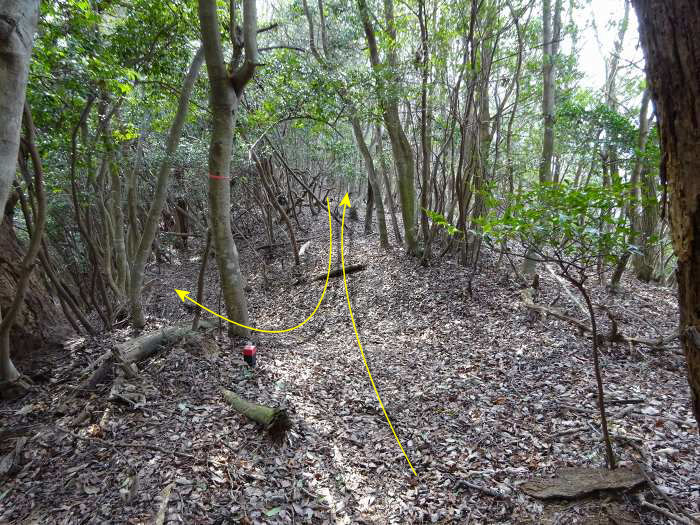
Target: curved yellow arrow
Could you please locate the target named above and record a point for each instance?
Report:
(183, 294)
(345, 203)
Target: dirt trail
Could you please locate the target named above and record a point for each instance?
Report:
(476, 392)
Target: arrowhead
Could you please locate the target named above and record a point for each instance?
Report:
(182, 294)
(345, 201)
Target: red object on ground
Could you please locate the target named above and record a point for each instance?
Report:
(249, 352)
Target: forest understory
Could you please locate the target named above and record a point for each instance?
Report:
(481, 394)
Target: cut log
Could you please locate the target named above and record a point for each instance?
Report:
(138, 349)
(339, 272)
(274, 420)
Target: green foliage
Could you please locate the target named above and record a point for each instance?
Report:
(561, 223)
(439, 219)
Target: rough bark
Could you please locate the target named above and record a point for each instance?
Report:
(668, 33)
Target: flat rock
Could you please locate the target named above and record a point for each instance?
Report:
(572, 483)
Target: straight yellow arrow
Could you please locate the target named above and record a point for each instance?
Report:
(345, 203)
(184, 294)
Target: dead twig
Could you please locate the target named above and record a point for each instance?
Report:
(665, 496)
(489, 492)
(668, 514)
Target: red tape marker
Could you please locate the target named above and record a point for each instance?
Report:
(218, 177)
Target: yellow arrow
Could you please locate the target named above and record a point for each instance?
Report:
(184, 294)
(345, 203)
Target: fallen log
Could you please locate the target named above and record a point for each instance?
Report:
(339, 272)
(614, 337)
(137, 349)
(274, 420)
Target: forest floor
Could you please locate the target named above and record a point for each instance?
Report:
(477, 389)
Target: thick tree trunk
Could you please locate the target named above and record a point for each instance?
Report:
(668, 33)
(18, 19)
(400, 146)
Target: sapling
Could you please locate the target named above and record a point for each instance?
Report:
(581, 231)
(574, 229)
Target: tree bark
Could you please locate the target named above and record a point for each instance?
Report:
(400, 146)
(226, 91)
(22, 274)
(18, 20)
(374, 184)
(668, 33)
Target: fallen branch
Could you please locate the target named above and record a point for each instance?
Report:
(665, 496)
(165, 497)
(135, 350)
(564, 287)
(614, 337)
(670, 515)
(485, 490)
(275, 420)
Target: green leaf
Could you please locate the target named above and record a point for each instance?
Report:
(273, 512)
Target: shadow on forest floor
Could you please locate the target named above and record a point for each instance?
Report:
(477, 391)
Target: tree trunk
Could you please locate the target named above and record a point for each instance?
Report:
(668, 33)
(551, 29)
(387, 184)
(150, 227)
(18, 20)
(373, 183)
(635, 196)
(226, 91)
(400, 146)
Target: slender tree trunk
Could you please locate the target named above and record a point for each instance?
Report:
(8, 372)
(226, 91)
(635, 197)
(150, 226)
(425, 132)
(400, 146)
(373, 182)
(551, 29)
(387, 185)
(668, 33)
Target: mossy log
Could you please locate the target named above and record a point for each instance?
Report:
(274, 420)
